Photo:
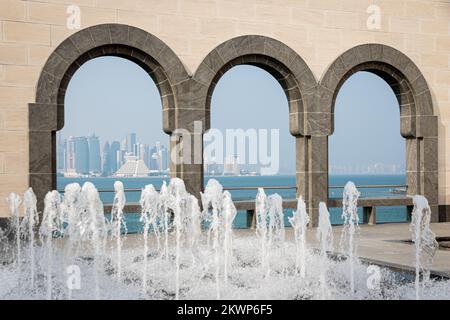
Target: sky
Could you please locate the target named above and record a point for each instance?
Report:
(111, 97)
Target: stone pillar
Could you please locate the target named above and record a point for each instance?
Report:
(412, 166)
(187, 137)
(44, 121)
(429, 174)
(428, 161)
(318, 170)
(302, 176)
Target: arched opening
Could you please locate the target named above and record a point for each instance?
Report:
(249, 143)
(418, 124)
(113, 126)
(46, 115)
(366, 146)
(292, 74)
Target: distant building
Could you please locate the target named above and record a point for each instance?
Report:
(70, 155)
(231, 166)
(106, 163)
(95, 161)
(81, 155)
(61, 154)
(114, 148)
(133, 167)
(130, 142)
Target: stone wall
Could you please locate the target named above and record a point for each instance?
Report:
(318, 31)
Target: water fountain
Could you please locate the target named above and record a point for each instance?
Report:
(351, 220)
(29, 223)
(118, 222)
(14, 203)
(424, 240)
(299, 222)
(324, 234)
(188, 253)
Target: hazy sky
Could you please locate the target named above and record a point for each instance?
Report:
(112, 96)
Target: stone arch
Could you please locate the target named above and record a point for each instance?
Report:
(418, 122)
(286, 66)
(46, 115)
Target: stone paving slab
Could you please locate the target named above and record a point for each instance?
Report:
(386, 244)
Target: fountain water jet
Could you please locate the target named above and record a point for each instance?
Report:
(95, 226)
(261, 211)
(118, 223)
(51, 226)
(236, 267)
(299, 222)
(14, 203)
(30, 220)
(324, 234)
(229, 213)
(212, 199)
(149, 215)
(351, 219)
(424, 240)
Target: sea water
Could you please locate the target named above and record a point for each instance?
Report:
(384, 214)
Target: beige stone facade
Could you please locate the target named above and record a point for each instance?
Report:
(319, 31)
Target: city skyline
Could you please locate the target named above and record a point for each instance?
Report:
(364, 98)
(84, 155)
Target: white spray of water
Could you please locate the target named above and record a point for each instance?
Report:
(118, 223)
(351, 220)
(177, 196)
(324, 234)
(229, 213)
(14, 203)
(261, 211)
(51, 225)
(276, 219)
(424, 240)
(212, 200)
(96, 227)
(164, 202)
(30, 220)
(149, 215)
(72, 218)
(299, 222)
(194, 228)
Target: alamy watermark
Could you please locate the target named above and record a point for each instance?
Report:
(234, 147)
(73, 280)
(374, 20)
(73, 21)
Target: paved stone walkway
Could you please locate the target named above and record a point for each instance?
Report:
(386, 244)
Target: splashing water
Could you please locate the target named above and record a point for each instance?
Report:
(324, 234)
(424, 240)
(29, 222)
(149, 216)
(299, 222)
(14, 203)
(229, 213)
(261, 210)
(118, 222)
(351, 220)
(194, 264)
(51, 226)
(95, 228)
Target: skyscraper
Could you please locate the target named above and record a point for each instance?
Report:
(164, 157)
(130, 142)
(95, 160)
(114, 148)
(106, 166)
(70, 155)
(61, 154)
(81, 155)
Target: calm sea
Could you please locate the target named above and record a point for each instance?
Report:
(384, 214)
